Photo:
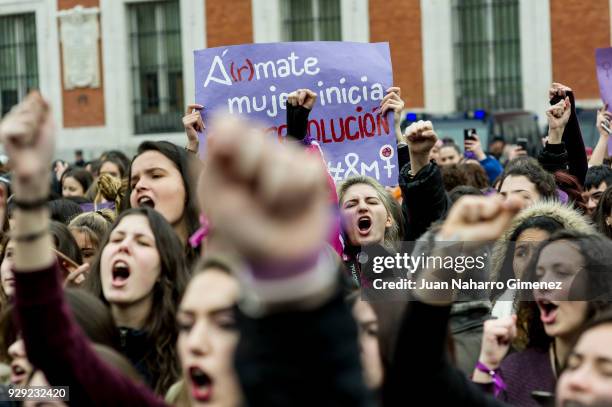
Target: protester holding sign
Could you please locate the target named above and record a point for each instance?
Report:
(571, 137)
(264, 321)
(424, 198)
(299, 105)
(309, 279)
(352, 126)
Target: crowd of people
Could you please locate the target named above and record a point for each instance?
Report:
(236, 279)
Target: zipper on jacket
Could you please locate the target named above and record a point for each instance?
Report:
(123, 337)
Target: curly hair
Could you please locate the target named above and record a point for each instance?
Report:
(596, 252)
(453, 175)
(529, 168)
(542, 223)
(476, 175)
(160, 325)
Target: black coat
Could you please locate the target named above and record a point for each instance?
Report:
(424, 199)
(301, 358)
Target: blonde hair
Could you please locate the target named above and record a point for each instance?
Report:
(94, 224)
(108, 188)
(394, 233)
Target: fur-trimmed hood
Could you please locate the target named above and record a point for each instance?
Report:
(564, 214)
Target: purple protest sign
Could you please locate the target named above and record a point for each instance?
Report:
(603, 60)
(349, 79)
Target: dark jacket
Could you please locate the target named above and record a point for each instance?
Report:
(570, 154)
(421, 368)
(302, 358)
(554, 157)
(467, 325)
(424, 199)
(572, 137)
(137, 346)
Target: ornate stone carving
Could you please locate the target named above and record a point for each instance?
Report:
(79, 33)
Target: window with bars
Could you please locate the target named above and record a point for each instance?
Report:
(487, 54)
(18, 59)
(311, 20)
(157, 66)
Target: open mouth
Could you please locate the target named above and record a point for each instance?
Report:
(201, 384)
(146, 201)
(18, 374)
(548, 311)
(121, 272)
(364, 224)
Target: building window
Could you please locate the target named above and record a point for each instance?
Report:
(487, 54)
(311, 20)
(18, 59)
(157, 66)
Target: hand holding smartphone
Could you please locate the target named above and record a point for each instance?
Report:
(469, 134)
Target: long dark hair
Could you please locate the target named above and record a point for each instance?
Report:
(63, 210)
(596, 252)
(604, 209)
(160, 325)
(65, 242)
(120, 160)
(81, 175)
(188, 169)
